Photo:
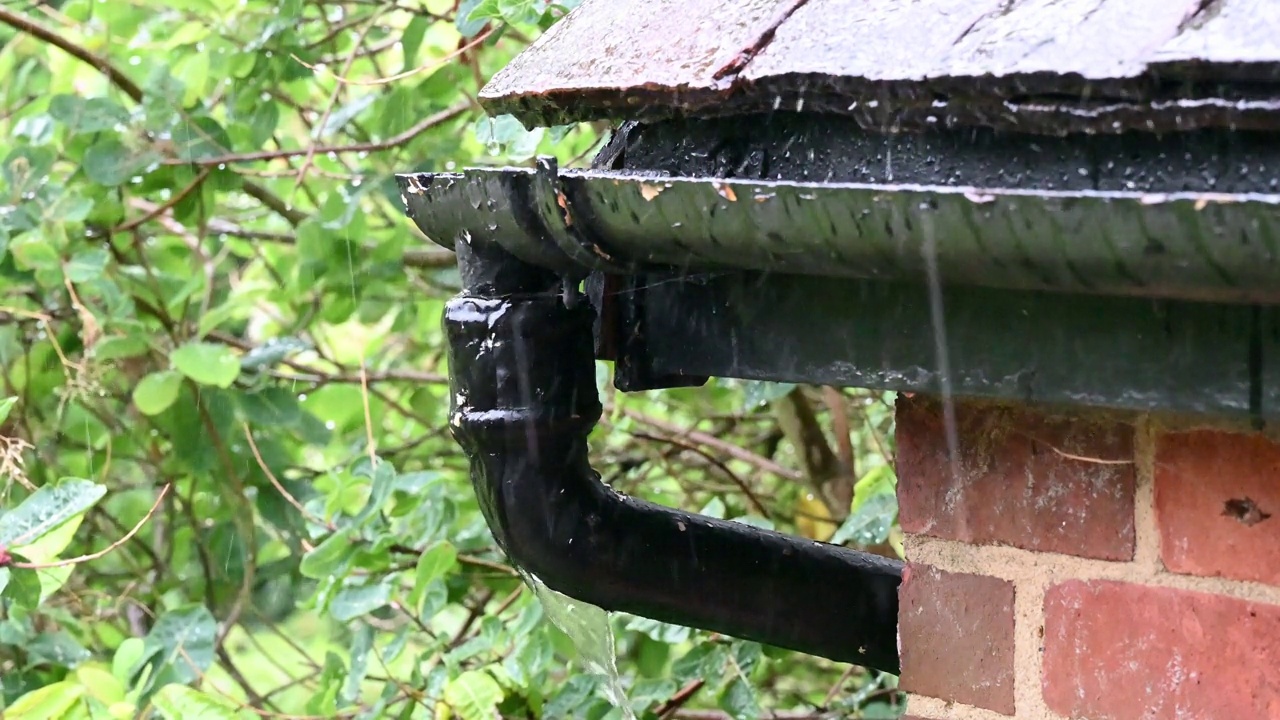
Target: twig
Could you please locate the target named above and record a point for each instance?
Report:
(104, 66)
(272, 201)
(317, 375)
(733, 477)
(392, 142)
(333, 97)
(271, 477)
(835, 402)
(880, 443)
(160, 209)
(463, 559)
(103, 552)
(368, 415)
(408, 73)
(472, 615)
(835, 688)
(677, 701)
(728, 448)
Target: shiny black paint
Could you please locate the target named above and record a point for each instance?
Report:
(1206, 359)
(524, 401)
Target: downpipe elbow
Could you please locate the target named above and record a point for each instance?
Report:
(524, 401)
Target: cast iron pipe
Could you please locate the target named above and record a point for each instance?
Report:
(522, 372)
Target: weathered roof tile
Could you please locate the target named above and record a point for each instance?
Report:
(986, 62)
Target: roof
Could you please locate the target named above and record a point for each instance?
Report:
(1043, 65)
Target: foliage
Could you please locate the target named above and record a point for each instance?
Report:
(227, 486)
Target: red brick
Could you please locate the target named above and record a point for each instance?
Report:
(1014, 482)
(956, 633)
(1114, 651)
(1197, 475)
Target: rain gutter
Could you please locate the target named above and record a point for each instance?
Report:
(1220, 247)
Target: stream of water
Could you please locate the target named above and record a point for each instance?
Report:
(588, 627)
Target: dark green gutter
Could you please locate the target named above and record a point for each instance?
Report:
(1221, 247)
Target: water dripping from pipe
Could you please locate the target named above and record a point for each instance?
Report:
(587, 626)
(941, 354)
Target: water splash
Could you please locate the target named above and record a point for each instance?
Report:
(588, 627)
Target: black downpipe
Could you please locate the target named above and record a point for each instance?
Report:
(522, 370)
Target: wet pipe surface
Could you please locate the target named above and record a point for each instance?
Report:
(1139, 272)
(524, 400)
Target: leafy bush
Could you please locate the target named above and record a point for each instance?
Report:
(228, 488)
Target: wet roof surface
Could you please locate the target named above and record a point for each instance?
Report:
(1083, 64)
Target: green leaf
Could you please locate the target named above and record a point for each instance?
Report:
(706, 661)
(271, 407)
(474, 695)
(473, 15)
(87, 115)
(524, 12)
(51, 580)
(714, 509)
(345, 114)
(179, 702)
(434, 564)
(572, 695)
(6, 404)
(433, 601)
(182, 643)
(108, 162)
(411, 39)
(660, 631)
(272, 351)
(51, 702)
(265, 118)
(325, 559)
(100, 683)
(157, 391)
(32, 251)
(27, 168)
(200, 138)
(51, 544)
(756, 393)
(870, 523)
(119, 347)
(383, 482)
(207, 363)
(353, 601)
(739, 700)
(56, 648)
(360, 649)
(46, 509)
(86, 265)
(128, 657)
(24, 588)
(874, 509)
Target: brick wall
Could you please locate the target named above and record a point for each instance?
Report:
(1087, 566)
